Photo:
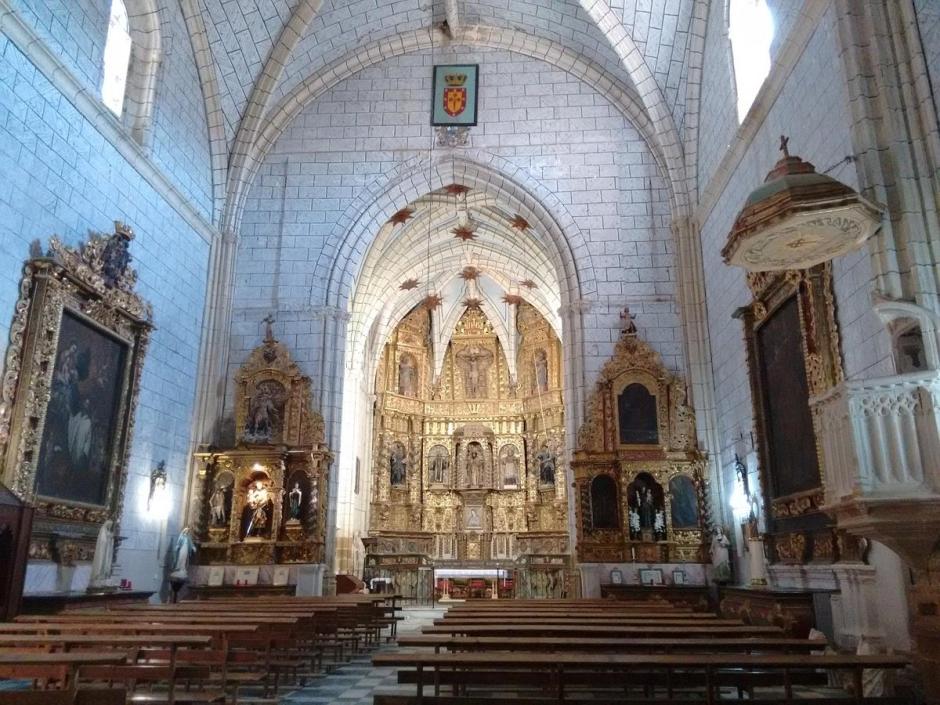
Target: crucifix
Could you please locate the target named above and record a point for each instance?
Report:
(783, 146)
(626, 321)
(268, 327)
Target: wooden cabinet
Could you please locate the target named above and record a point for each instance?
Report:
(792, 610)
(16, 519)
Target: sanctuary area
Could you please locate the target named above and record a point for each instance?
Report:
(469, 351)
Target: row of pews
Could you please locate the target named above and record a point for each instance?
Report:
(233, 651)
(598, 651)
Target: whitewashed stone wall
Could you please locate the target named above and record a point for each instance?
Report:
(813, 110)
(62, 176)
(564, 135)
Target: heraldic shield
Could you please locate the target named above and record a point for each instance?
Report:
(455, 95)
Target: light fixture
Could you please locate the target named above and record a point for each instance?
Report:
(798, 218)
(740, 499)
(158, 499)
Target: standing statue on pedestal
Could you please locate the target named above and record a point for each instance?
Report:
(546, 466)
(721, 559)
(217, 505)
(182, 554)
(294, 497)
(475, 465)
(104, 555)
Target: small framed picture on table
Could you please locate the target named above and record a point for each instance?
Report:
(651, 576)
(678, 577)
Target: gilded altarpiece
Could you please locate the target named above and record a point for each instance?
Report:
(792, 341)
(69, 391)
(263, 502)
(468, 465)
(639, 477)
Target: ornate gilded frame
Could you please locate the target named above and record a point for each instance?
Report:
(94, 283)
(797, 530)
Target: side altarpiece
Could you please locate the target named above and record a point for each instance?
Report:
(640, 493)
(263, 502)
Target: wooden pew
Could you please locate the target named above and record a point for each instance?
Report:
(582, 619)
(553, 677)
(622, 631)
(82, 696)
(614, 645)
(61, 668)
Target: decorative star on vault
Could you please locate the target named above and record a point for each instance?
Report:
(469, 273)
(401, 216)
(520, 223)
(529, 284)
(431, 301)
(512, 299)
(408, 284)
(456, 189)
(472, 302)
(464, 232)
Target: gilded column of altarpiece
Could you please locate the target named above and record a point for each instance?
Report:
(640, 491)
(468, 459)
(264, 501)
(69, 391)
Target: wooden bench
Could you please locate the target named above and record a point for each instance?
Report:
(558, 677)
(82, 696)
(60, 669)
(621, 631)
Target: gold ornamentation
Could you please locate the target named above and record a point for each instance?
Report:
(96, 282)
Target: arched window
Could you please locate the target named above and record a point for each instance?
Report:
(117, 56)
(751, 30)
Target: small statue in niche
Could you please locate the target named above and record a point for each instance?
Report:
(659, 525)
(257, 501)
(541, 371)
(407, 376)
(635, 529)
(439, 463)
(644, 502)
(217, 505)
(397, 469)
(294, 498)
(475, 465)
(546, 466)
(510, 466)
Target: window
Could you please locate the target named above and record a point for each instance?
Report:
(751, 30)
(117, 56)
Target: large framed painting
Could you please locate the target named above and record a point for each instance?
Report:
(71, 377)
(82, 423)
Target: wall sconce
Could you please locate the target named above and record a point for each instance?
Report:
(158, 500)
(740, 500)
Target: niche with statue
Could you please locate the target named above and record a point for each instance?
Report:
(263, 501)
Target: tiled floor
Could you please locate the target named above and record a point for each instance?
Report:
(353, 683)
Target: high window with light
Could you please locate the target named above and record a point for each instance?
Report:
(117, 55)
(751, 30)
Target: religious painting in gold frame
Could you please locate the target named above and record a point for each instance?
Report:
(792, 319)
(70, 386)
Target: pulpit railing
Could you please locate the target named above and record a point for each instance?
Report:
(880, 438)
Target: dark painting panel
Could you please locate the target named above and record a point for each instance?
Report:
(791, 442)
(636, 413)
(683, 502)
(75, 455)
(604, 513)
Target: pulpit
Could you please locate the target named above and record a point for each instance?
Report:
(16, 519)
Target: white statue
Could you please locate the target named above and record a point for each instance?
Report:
(217, 505)
(185, 548)
(721, 559)
(104, 555)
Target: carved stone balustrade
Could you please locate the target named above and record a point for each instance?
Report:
(880, 440)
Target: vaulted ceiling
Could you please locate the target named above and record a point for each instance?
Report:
(267, 57)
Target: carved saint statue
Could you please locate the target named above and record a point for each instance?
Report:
(294, 498)
(510, 466)
(541, 371)
(721, 560)
(407, 376)
(182, 554)
(439, 463)
(475, 362)
(475, 465)
(217, 505)
(546, 466)
(104, 555)
(257, 501)
(264, 416)
(396, 462)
